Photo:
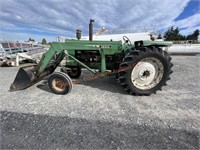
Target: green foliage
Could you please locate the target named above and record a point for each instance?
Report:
(173, 34)
(44, 41)
(193, 36)
(30, 39)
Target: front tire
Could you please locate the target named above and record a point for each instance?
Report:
(60, 83)
(145, 71)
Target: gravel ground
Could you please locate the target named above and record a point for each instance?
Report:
(99, 114)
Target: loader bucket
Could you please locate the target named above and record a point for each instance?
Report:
(24, 79)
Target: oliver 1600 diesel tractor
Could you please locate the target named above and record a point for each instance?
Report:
(141, 67)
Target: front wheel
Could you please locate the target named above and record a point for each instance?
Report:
(60, 83)
(145, 70)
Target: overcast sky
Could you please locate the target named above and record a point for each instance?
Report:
(21, 19)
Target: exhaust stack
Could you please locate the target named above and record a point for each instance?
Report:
(91, 30)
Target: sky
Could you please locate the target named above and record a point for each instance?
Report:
(38, 19)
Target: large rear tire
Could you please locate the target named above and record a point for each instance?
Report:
(145, 71)
(60, 83)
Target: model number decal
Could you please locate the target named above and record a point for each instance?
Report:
(100, 46)
(105, 46)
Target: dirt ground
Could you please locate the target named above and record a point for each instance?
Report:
(99, 114)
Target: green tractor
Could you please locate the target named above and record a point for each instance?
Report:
(142, 68)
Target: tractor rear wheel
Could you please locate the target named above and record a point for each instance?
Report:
(60, 83)
(145, 70)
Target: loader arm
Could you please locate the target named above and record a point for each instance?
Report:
(51, 59)
(28, 76)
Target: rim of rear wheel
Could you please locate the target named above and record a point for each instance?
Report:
(147, 73)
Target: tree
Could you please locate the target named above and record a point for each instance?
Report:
(31, 40)
(173, 34)
(44, 41)
(193, 36)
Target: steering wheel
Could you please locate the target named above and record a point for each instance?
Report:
(126, 40)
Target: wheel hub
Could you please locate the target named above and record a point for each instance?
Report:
(58, 84)
(146, 73)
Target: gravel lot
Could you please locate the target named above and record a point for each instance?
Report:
(99, 114)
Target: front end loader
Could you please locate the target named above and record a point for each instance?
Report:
(142, 68)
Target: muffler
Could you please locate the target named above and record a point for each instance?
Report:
(91, 30)
(26, 77)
